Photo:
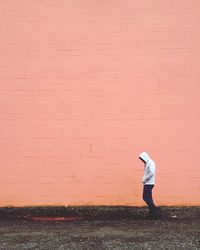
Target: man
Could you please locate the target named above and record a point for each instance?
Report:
(149, 182)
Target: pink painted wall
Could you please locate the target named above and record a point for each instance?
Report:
(85, 86)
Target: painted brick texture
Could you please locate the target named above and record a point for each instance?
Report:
(85, 86)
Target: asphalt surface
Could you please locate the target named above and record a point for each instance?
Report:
(99, 228)
(95, 235)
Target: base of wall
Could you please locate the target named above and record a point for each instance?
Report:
(97, 212)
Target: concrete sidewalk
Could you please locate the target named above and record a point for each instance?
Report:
(99, 228)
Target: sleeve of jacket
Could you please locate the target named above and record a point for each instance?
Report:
(151, 172)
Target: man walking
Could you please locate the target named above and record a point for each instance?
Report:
(149, 182)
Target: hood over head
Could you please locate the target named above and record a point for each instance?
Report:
(145, 157)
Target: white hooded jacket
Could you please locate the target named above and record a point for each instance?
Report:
(149, 169)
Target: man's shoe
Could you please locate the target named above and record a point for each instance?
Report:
(158, 211)
(155, 214)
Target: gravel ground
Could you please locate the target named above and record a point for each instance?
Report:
(171, 233)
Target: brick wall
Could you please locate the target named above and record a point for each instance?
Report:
(85, 86)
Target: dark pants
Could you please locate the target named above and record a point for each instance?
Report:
(147, 197)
